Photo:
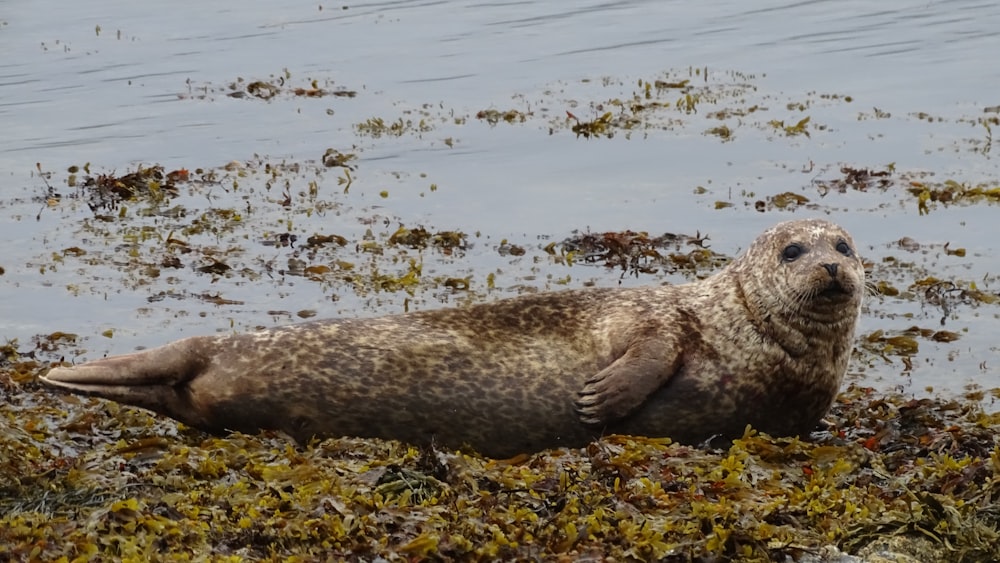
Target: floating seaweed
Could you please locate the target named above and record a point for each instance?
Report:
(493, 116)
(107, 191)
(267, 89)
(638, 253)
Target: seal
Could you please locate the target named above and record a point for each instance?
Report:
(763, 342)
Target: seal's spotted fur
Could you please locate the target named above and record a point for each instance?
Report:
(765, 341)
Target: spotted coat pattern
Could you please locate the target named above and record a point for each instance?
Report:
(763, 342)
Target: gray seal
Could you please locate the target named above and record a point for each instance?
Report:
(763, 342)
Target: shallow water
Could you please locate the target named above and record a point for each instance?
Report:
(117, 84)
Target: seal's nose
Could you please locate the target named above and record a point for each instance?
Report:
(832, 269)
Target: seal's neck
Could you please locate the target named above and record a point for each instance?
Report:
(781, 324)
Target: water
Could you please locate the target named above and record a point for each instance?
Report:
(117, 84)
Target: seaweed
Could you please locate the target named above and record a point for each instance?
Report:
(86, 478)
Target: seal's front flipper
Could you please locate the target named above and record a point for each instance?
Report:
(619, 389)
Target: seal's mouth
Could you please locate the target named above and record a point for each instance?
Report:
(834, 290)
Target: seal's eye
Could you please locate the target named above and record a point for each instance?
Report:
(791, 252)
(844, 248)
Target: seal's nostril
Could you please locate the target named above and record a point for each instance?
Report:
(832, 269)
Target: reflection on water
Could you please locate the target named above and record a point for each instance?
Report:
(121, 83)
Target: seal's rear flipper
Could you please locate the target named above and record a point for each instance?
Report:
(154, 379)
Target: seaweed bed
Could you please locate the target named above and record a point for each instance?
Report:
(84, 478)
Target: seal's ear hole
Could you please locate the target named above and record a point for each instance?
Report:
(844, 248)
(791, 252)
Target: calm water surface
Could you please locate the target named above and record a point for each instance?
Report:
(117, 84)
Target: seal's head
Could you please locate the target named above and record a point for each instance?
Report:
(804, 272)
